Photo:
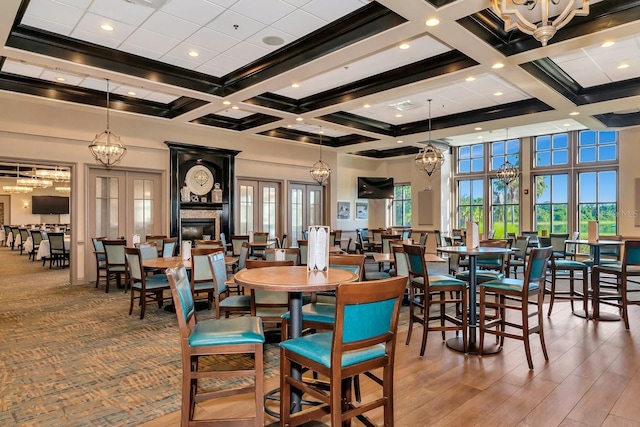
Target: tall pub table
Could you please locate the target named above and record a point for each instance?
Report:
(457, 343)
(595, 245)
(295, 280)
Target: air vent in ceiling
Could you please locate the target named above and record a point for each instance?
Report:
(404, 105)
(153, 4)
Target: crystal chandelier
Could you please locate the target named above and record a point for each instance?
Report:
(539, 18)
(430, 158)
(507, 173)
(106, 146)
(16, 189)
(320, 171)
(56, 175)
(34, 182)
(64, 189)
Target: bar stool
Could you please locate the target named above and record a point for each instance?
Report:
(570, 266)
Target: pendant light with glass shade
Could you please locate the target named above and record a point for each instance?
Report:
(507, 173)
(430, 158)
(106, 146)
(320, 171)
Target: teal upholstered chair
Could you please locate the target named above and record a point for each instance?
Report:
(36, 239)
(169, 246)
(618, 294)
(24, 235)
(303, 245)
(239, 304)
(158, 240)
(101, 259)
(363, 340)
(513, 294)
(562, 268)
(213, 338)
(269, 305)
(426, 291)
(202, 276)
(559, 244)
(115, 260)
(489, 266)
(59, 252)
(242, 259)
(519, 256)
(145, 289)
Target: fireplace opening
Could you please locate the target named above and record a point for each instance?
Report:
(196, 229)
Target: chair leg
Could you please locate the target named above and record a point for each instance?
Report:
(525, 332)
(412, 295)
(625, 302)
(481, 321)
(131, 304)
(552, 294)
(572, 291)
(540, 328)
(425, 320)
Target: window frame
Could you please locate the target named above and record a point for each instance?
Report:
(404, 202)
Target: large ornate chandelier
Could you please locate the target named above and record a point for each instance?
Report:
(106, 146)
(540, 18)
(16, 189)
(56, 175)
(507, 173)
(430, 158)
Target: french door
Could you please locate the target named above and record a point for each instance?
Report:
(121, 204)
(306, 208)
(259, 206)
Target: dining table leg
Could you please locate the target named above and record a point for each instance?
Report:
(595, 313)
(295, 331)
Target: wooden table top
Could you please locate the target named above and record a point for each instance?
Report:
(599, 242)
(482, 250)
(168, 262)
(293, 279)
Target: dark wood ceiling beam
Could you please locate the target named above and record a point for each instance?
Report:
(244, 123)
(614, 120)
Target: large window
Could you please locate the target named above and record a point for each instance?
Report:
(505, 208)
(471, 202)
(597, 146)
(597, 201)
(402, 205)
(552, 203)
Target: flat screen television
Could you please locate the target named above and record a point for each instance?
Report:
(46, 205)
(375, 188)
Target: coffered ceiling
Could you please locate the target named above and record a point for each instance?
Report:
(361, 72)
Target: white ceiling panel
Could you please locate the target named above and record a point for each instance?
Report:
(149, 40)
(197, 11)
(212, 40)
(58, 14)
(162, 98)
(170, 25)
(180, 53)
(297, 3)
(336, 11)
(21, 69)
(299, 23)
(257, 39)
(248, 52)
(54, 75)
(137, 50)
(129, 13)
(90, 24)
(234, 114)
(265, 11)
(220, 66)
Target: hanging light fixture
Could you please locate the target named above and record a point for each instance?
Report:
(539, 18)
(430, 158)
(106, 146)
(320, 171)
(56, 175)
(507, 173)
(16, 189)
(33, 182)
(64, 189)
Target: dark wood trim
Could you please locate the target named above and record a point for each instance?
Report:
(244, 123)
(614, 120)
(312, 138)
(391, 152)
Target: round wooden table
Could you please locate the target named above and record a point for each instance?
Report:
(163, 263)
(456, 343)
(294, 280)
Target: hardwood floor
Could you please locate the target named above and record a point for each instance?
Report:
(592, 378)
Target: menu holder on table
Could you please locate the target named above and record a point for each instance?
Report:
(594, 231)
(135, 240)
(318, 248)
(280, 256)
(186, 250)
(473, 235)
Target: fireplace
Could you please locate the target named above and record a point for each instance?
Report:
(195, 229)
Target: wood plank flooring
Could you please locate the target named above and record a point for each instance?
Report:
(592, 378)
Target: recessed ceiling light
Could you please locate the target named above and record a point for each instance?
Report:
(608, 43)
(273, 40)
(399, 141)
(289, 126)
(131, 93)
(498, 94)
(367, 106)
(226, 102)
(321, 132)
(497, 65)
(478, 128)
(61, 79)
(623, 66)
(469, 79)
(299, 119)
(567, 125)
(398, 115)
(574, 113)
(295, 85)
(481, 137)
(404, 46)
(432, 22)
(106, 27)
(194, 53)
(235, 107)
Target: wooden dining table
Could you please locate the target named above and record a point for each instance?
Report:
(163, 263)
(295, 280)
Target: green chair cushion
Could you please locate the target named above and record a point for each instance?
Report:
(203, 286)
(567, 264)
(236, 301)
(317, 347)
(316, 312)
(376, 275)
(508, 284)
(481, 275)
(617, 268)
(238, 330)
(443, 280)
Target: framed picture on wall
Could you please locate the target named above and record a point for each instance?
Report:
(344, 210)
(362, 210)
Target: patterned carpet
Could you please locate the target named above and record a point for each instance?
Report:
(72, 355)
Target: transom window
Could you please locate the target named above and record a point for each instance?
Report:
(502, 151)
(471, 158)
(597, 146)
(551, 150)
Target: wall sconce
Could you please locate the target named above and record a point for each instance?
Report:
(26, 205)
